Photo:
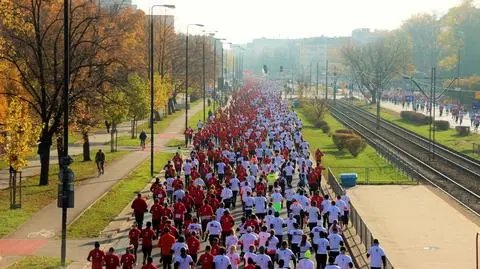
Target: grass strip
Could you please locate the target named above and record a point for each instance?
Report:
(379, 171)
(35, 197)
(100, 214)
(37, 262)
(449, 138)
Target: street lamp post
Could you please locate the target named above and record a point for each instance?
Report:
(215, 69)
(151, 74)
(186, 77)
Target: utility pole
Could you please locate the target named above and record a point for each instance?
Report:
(203, 77)
(316, 96)
(326, 80)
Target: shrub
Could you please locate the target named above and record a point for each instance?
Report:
(463, 130)
(325, 128)
(442, 125)
(340, 139)
(319, 123)
(355, 145)
(345, 131)
(414, 117)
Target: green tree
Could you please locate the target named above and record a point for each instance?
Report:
(137, 99)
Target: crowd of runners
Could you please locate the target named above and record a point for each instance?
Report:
(419, 103)
(248, 195)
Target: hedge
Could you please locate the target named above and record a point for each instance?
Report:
(355, 145)
(442, 125)
(463, 130)
(416, 118)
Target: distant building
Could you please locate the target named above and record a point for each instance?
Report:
(116, 4)
(365, 35)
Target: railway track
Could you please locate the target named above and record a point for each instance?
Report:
(455, 174)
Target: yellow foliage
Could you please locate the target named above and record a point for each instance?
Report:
(21, 134)
(163, 91)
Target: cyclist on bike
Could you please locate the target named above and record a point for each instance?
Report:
(143, 137)
(100, 160)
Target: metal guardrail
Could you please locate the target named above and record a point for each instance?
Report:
(357, 222)
(374, 174)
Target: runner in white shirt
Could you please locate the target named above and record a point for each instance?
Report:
(334, 240)
(296, 238)
(305, 263)
(334, 213)
(376, 255)
(286, 255)
(248, 239)
(325, 205)
(249, 254)
(263, 260)
(195, 227)
(251, 181)
(272, 244)
(322, 245)
(221, 261)
(220, 211)
(263, 236)
(235, 187)
(254, 170)
(234, 257)
(313, 215)
(227, 195)
(231, 240)
(260, 206)
(343, 260)
(199, 182)
(183, 261)
(248, 203)
(177, 246)
(214, 229)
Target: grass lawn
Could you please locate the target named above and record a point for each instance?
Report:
(449, 138)
(380, 172)
(36, 197)
(37, 262)
(174, 143)
(193, 119)
(97, 217)
(129, 141)
(160, 126)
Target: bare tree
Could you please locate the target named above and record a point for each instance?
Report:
(375, 65)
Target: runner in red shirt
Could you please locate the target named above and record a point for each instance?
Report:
(166, 211)
(127, 260)
(206, 259)
(177, 162)
(96, 256)
(149, 264)
(156, 211)
(215, 247)
(205, 213)
(179, 211)
(134, 235)
(193, 244)
(227, 223)
(112, 261)
(147, 235)
(139, 207)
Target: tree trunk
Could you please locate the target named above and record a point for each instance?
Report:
(374, 97)
(136, 128)
(86, 147)
(112, 149)
(44, 152)
(60, 151)
(378, 111)
(133, 128)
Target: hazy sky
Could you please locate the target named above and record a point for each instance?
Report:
(239, 21)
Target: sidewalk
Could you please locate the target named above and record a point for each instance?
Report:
(97, 140)
(43, 227)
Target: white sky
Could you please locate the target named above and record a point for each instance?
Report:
(240, 21)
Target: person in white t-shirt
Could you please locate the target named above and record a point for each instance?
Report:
(313, 214)
(263, 260)
(277, 224)
(260, 206)
(322, 245)
(331, 264)
(222, 261)
(286, 255)
(214, 229)
(249, 254)
(335, 240)
(272, 244)
(231, 240)
(248, 204)
(178, 246)
(377, 256)
(226, 195)
(343, 259)
(334, 213)
(221, 171)
(234, 257)
(183, 261)
(305, 263)
(248, 239)
(187, 169)
(235, 187)
(296, 235)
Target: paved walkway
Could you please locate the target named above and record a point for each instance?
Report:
(46, 224)
(97, 140)
(417, 226)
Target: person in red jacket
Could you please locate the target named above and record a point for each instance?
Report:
(206, 259)
(188, 201)
(147, 235)
(166, 211)
(227, 223)
(149, 264)
(177, 162)
(112, 261)
(128, 259)
(205, 213)
(193, 244)
(96, 256)
(139, 207)
(134, 235)
(156, 211)
(179, 211)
